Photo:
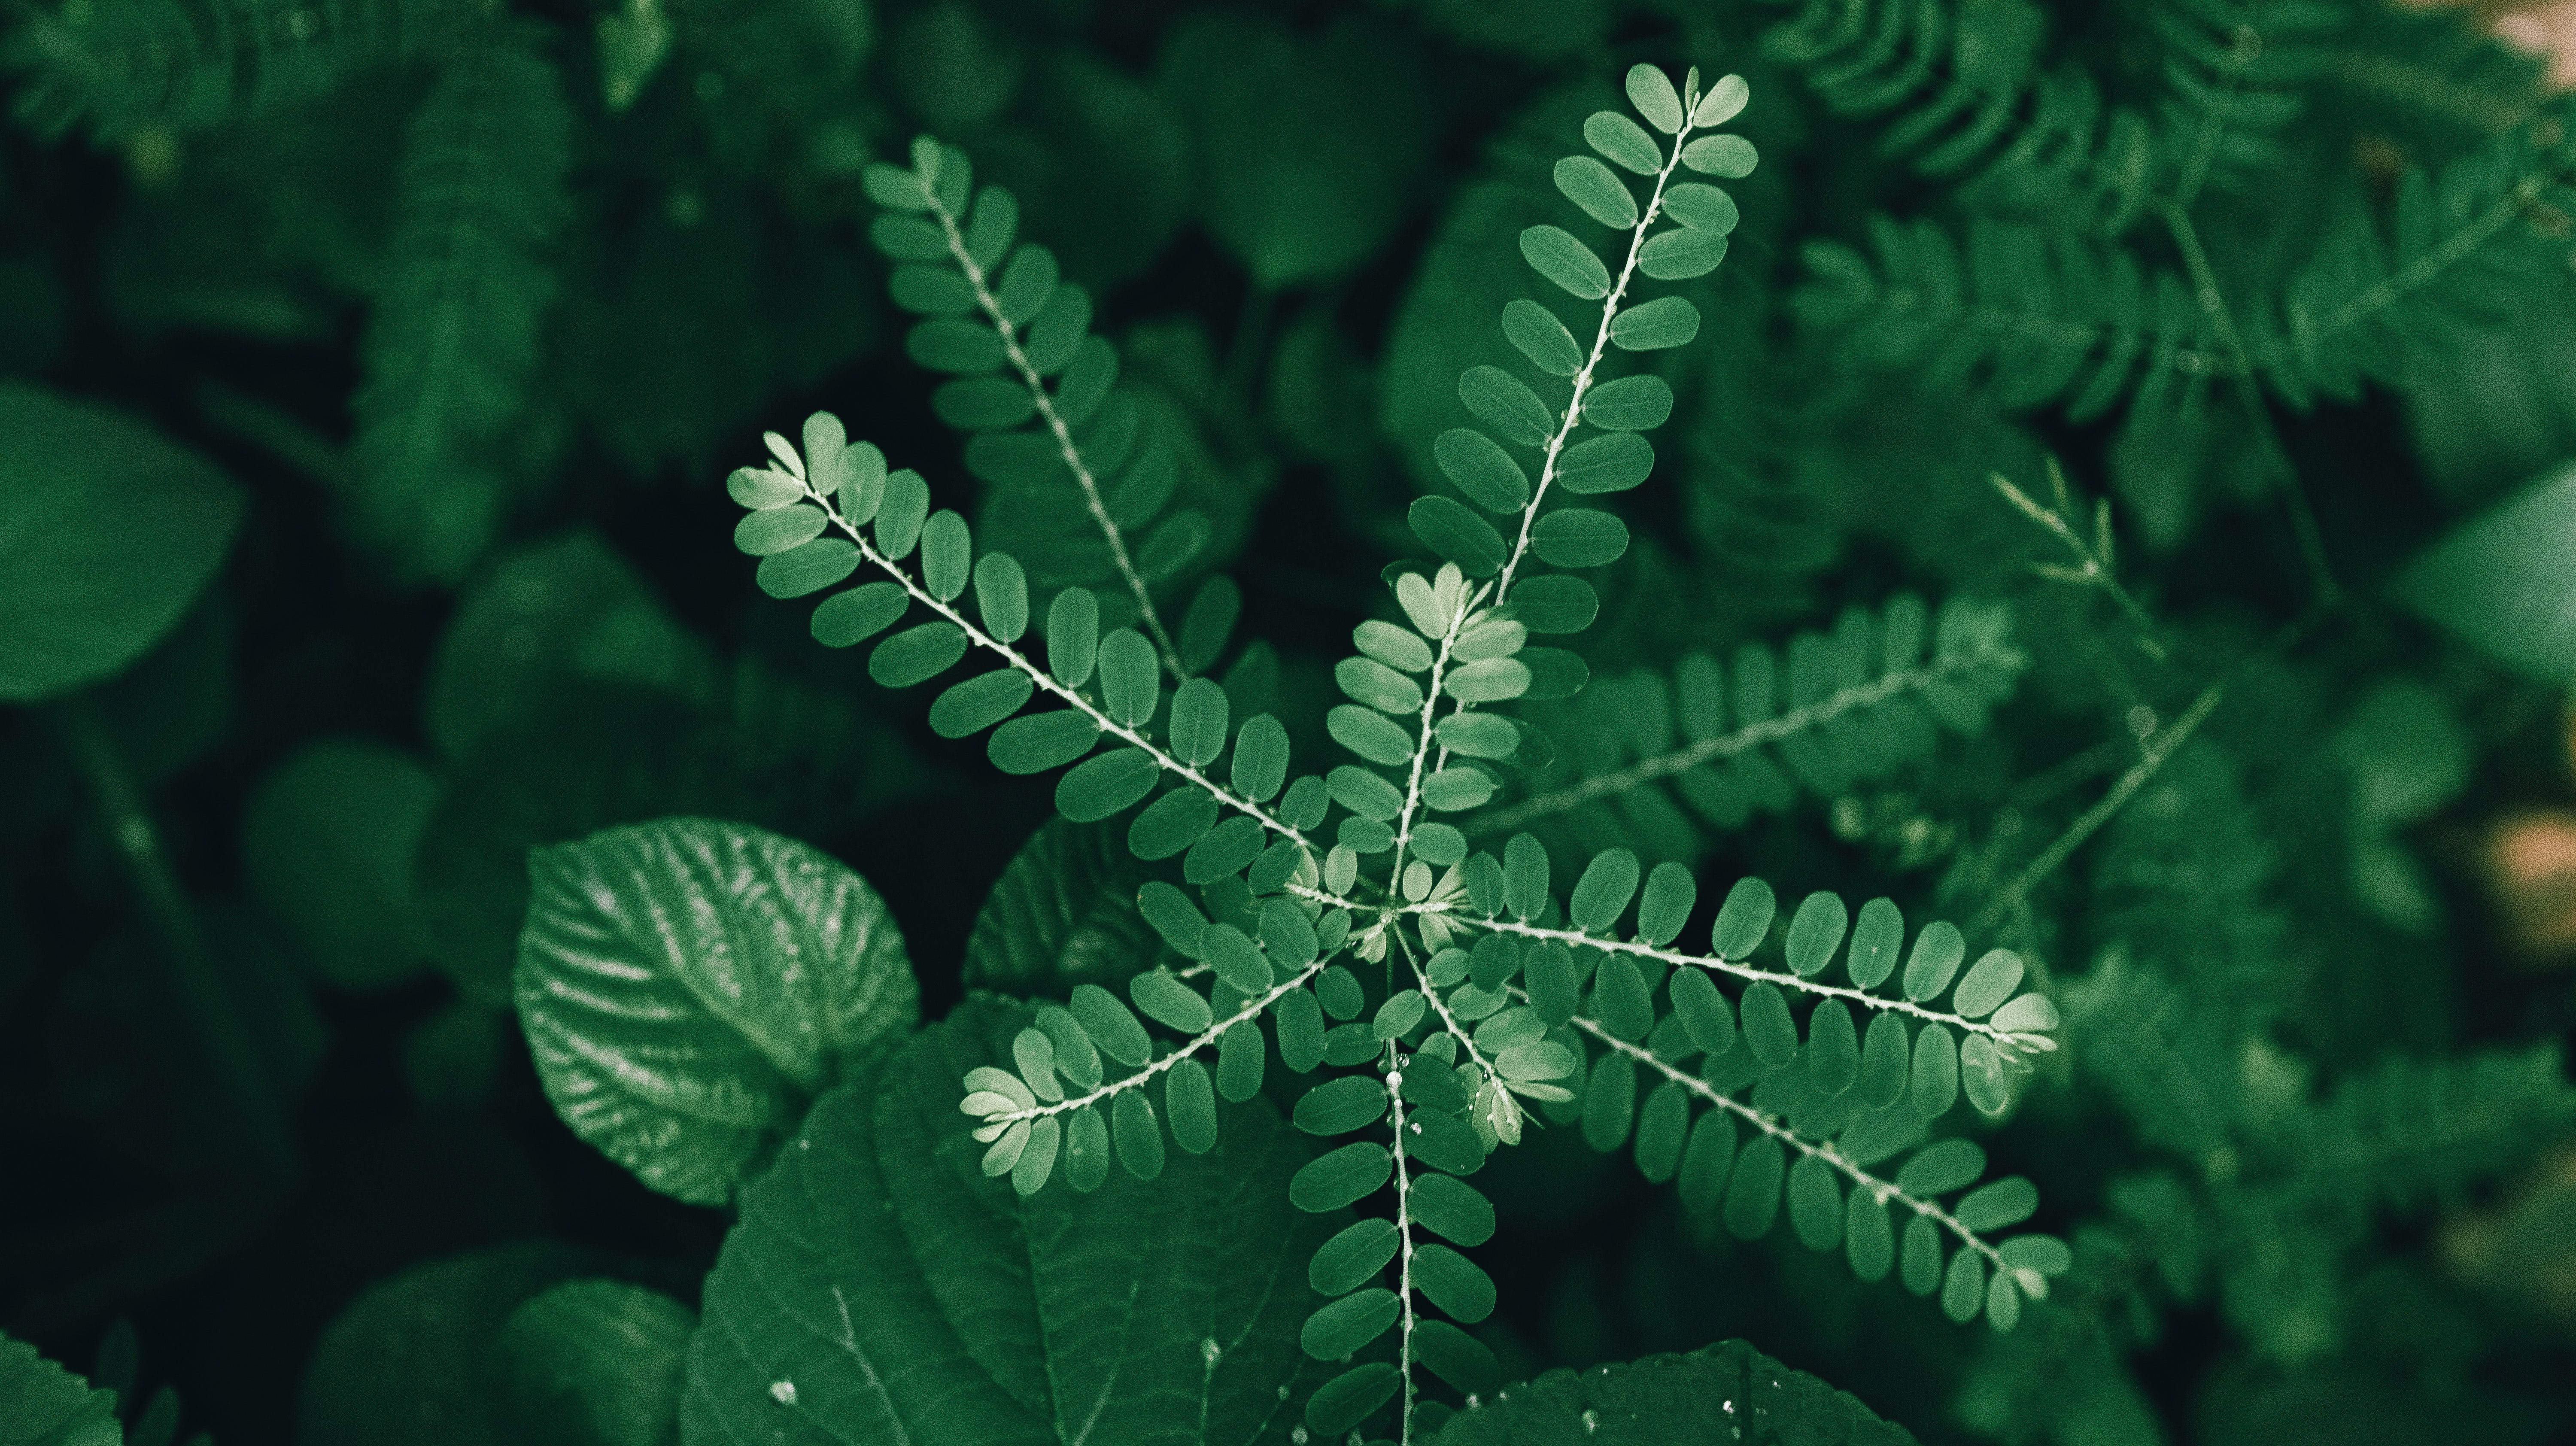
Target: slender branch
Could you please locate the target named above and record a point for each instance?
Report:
(1583, 377)
(1055, 423)
(2152, 756)
(1422, 744)
(201, 987)
(1449, 1021)
(1862, 997)
(2095, 569)
(2204, 281)
(1883, 1189)
(1404, 1247)
(1045, 680)
(1727, 745)
(1251, 1010)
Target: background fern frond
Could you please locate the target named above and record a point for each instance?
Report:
(1833, 710)
(454, 337)
(117, 67)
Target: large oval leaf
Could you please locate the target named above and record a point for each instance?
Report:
(106, 533)
(1726, 1392)
(880, 1288)
(689, 986)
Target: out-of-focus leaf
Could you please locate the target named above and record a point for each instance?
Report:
(2501, 580)
(327, 844)
(106, 534)
(407, 1363)
(593, 1363)
(1303, 184)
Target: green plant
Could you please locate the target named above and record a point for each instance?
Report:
(1442, 811)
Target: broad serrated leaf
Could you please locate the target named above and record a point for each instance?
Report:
(689, 986)
(986, 1325)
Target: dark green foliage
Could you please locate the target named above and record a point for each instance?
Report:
(1354, 577)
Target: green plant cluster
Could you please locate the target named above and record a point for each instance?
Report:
(1440, 731)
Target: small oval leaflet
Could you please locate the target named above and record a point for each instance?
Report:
(1869, 1242)
(1981, 1075)
(1110, 1025)
(1130, 677)
(1651, 92)
(808, 567)
(1657, 325)
(1169, 1002)
(1675, 255)
(1815, 932)
(1815, 1204)
(848, 618)
(1602, 195)
(1558, 256)
(1453, 1283)
(1237, 960)
(1260, 758)
(947, 549)
(1939, 1168)
(1198, 722)
(980, 702)
(1579, 537)
(1702, 207)
(1299, 1023)
(1240, 1062)
(1670, 893)
(1538, 335)
(1988, 985)
(1753, 1194)
(1336, 1330)
(1453, 1209)
(1705, 1015)
(1505, 403)
(905, 507)
(1041, 741)
(1353, 1257)
(1768, 1028)
(762, 533)
(1171, 823)
(1340, 1177)
(1073, 636)
(1937, 952)
(1099, 787)
(1138, 1137)
(1936, 1071)
(1458, 535)
(1743, 921)
(1623, 141)
(1191, 1103)
(1662, 1128)
(1886, 1057)
(1475, 462)
(1629, 404)
(1874, 942)
(1612, 463)
(1337, 1107)
(1002, 596)
(1833, 1049)
(917, 654)
(1731, 157)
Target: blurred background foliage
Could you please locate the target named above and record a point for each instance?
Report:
(368, 369)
